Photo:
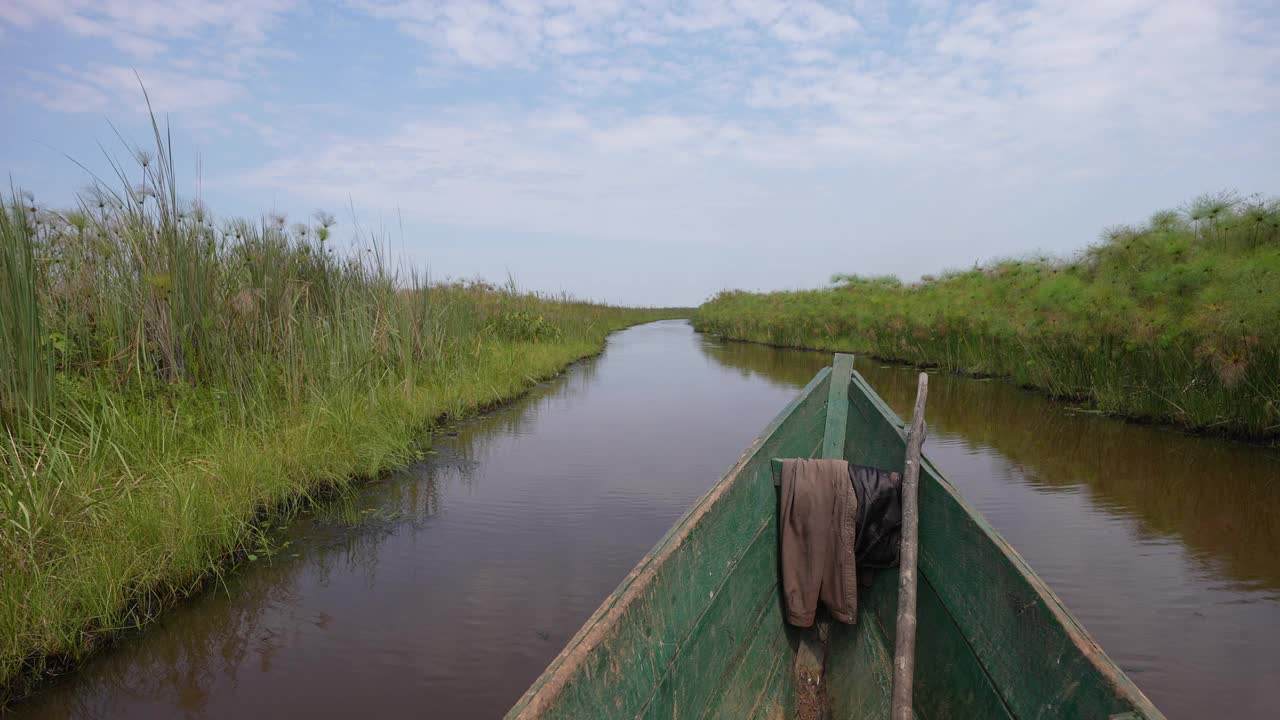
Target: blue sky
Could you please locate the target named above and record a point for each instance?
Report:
(650, 152)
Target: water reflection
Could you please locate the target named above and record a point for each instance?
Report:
(196, 659)
(794, 368)
(1218, 497)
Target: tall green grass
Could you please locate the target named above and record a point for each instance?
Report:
(1176, 321)
(168, 382)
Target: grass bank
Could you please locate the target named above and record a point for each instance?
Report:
(168, 382)
(1176, 320)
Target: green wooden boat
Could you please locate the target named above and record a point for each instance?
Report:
(696, 630)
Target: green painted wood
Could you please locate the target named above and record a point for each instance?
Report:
(1037, 656)
(833, 437)
(719, 639)
(837, 408)
(949, 682)
(860, 668)
(745, 687)
(613, 665)
(778, 699)
(696, 630)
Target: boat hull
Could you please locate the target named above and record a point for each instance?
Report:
(697, 629)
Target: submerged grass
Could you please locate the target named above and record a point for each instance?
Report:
(1176, 321)
(168, 382)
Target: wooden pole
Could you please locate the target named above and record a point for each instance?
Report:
(904, 649)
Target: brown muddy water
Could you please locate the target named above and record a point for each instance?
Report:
(444, 589)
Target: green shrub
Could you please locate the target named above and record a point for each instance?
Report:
(523, 326)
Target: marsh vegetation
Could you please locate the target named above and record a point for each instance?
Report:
(169, 382)
(1176, 320)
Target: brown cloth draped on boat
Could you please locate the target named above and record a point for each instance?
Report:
(818, 527)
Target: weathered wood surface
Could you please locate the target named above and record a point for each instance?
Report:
(904, 650)
(697, 629)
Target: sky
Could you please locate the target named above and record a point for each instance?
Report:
(653, 152)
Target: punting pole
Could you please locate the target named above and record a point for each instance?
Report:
(904, 649)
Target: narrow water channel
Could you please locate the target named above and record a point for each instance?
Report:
(444, 589)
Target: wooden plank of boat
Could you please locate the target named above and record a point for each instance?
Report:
(696, 630)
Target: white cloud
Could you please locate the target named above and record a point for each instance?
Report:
(654, 132)
(996, 95)
(554, 172)
(147, 27)
(810, 21)
(498, 34)
(704, 121)
(1004, 73)
(100, 88)
(190, 54)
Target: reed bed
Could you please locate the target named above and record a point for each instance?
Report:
(1175, 321)
(171, 383)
